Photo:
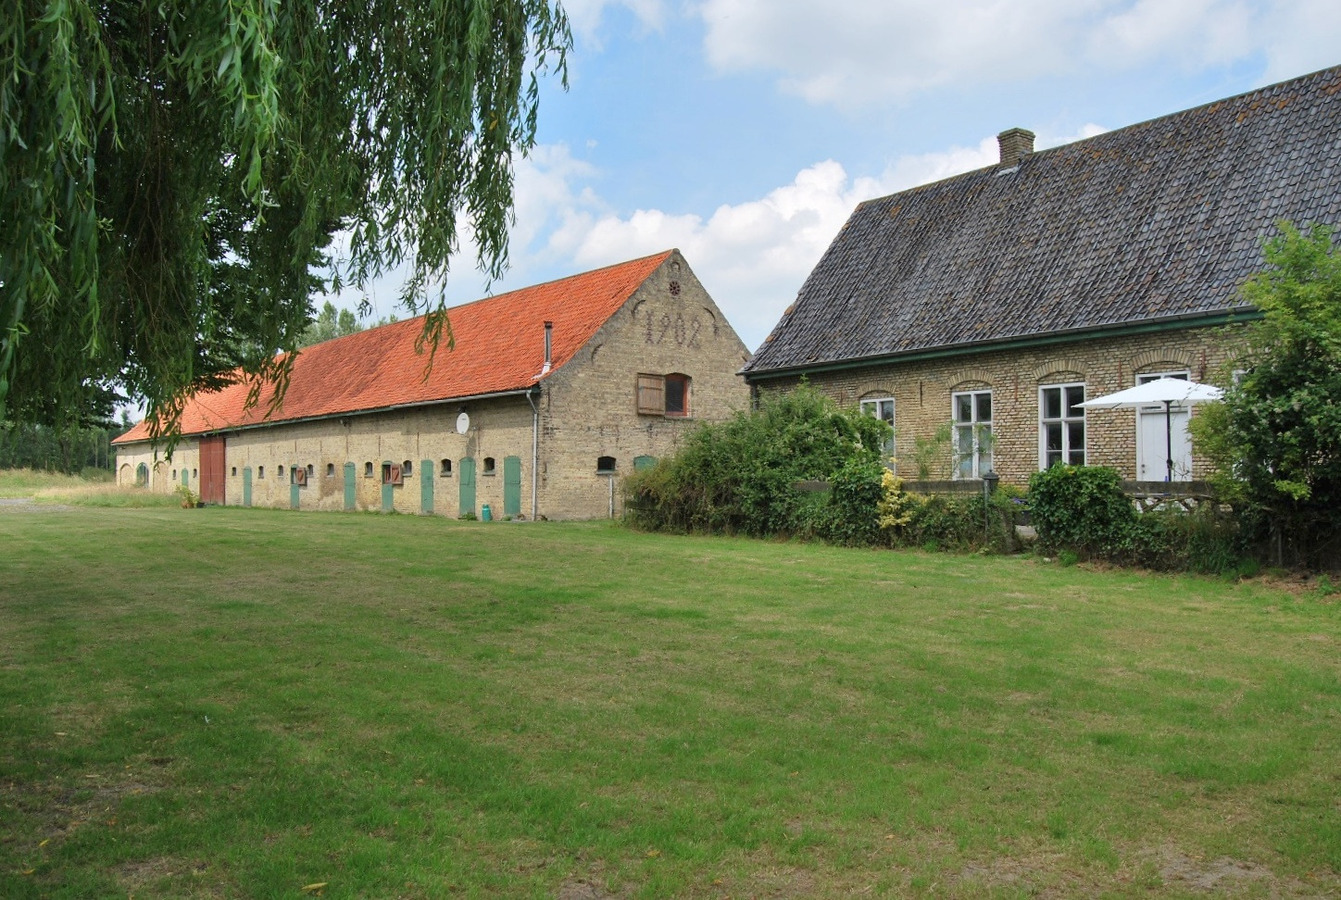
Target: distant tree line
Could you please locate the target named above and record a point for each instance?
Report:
(69, 450)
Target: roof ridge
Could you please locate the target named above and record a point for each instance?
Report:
(1111, 133)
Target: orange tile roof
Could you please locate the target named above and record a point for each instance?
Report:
(499, 347)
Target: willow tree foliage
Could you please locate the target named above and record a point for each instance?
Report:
(1277, 436)
(172, 174)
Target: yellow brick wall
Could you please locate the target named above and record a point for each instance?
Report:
(922, 392)
(669, 326)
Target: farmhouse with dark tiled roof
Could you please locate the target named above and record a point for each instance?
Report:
(548, 395)
(975, 313)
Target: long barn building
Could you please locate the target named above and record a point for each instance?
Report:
(548, 395)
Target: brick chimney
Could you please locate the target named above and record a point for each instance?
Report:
(1016, 144)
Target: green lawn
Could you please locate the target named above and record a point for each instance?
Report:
(247, 703)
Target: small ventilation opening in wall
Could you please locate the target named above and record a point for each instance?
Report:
(330, 470)
(367, 470)
(407, 468)
(488, 465)
(605, 465)
(446, 469)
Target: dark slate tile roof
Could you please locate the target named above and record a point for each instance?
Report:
(1159, 220)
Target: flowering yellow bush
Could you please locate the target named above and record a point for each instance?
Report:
(896, 506)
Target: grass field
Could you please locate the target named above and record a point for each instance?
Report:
(247, 703)
(54, 489)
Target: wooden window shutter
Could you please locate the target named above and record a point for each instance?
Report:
(651, 395)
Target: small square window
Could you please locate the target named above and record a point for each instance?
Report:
(605, 465)
(446, 470)
(489, 466)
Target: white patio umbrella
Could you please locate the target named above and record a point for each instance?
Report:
(1169, 391)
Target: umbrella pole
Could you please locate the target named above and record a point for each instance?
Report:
(1168, 442)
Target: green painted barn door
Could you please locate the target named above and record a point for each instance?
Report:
(246, 485)
(186, 477)
(295, 499)
(426, 486)
(349, 487)
(466, 487)
(511, 485)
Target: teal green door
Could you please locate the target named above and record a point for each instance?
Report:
(511, 485)
(295, 499)
(246, 486)
(186, 477)
(349, 486)
(467, 486)
(426, 486)
(388, 490)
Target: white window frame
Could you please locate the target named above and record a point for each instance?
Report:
(1063, 422)
(979, 455)
(883, 408)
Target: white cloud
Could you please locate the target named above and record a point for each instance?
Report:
(864, 51)
(586, 15)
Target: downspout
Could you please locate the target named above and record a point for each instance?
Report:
(535, 452)
(535, 421)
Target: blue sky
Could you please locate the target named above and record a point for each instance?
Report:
(744, 131)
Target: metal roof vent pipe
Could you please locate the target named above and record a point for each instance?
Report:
(549, 348)
(1016, 144)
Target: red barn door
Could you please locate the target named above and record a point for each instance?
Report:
(212, 469)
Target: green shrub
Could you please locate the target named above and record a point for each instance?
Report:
(1082, 509)
(849, 516)
(739, 476)
(959, 522)
(1206, 541)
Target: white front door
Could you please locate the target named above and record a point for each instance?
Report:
(1155, 439)
(1152, 447)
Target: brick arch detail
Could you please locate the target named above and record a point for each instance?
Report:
(1163, 358)
(967, 376)
(872, 389)
(1065, 369)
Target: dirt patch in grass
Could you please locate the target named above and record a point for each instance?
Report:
(56, 810)
(582, 889)
(170, 875)
(1053, 874)
(1224, 876)
(24, 505)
